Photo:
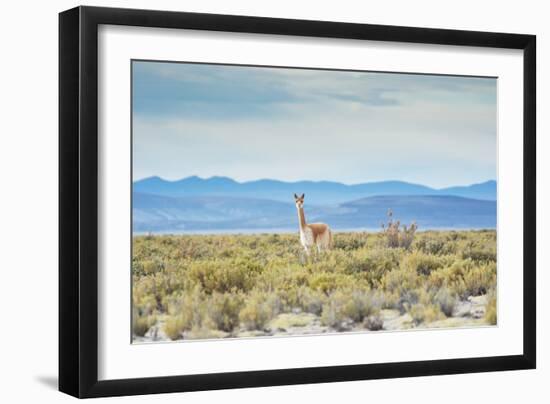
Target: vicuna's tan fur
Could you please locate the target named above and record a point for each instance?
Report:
(314, 234)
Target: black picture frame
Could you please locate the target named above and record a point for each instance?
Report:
(78, 200)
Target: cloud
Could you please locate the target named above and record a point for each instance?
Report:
(292, 124)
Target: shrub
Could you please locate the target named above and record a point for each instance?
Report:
(407, 236)
(480, 252)
(354, 305)
(222, 276)
(259, 309)
(430, 246)
(373, 265)
(438, 243)
(465, 278)
(422, 263)
(374, 322)
(451, 277)
(174, 327)
(425, 313)
(446, 301)
(397, 236)
(186, 310)
(403, 284)
(406, 300)
(355, 241)
(285, 281)
(333, 313)
(360, 304)
(401, 280)
(152, 266)
(327, 282)
(310, 301)
(223, 309)
(389, 300)
(142, 324)
(479, 280)
(145, 300)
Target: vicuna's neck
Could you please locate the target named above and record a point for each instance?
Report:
(301, 218)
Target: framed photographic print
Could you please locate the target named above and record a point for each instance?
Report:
(250, 201)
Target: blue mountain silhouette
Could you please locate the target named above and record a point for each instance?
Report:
(317, 192)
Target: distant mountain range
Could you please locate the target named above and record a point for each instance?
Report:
(221, 204)
(318, 193)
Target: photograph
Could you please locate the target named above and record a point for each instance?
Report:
(277, 201)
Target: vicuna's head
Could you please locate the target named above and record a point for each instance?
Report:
(299, 200)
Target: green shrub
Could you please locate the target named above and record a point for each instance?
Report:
(465, 278)
(328, 282)
(222, 276)
(422, 263)
(430, 246)
(223, 309)
(482, 249)
(174, 327)
(479, 280)
(390, 300)
(425, 313)
(333, 314)
(142, 323)
(285, 281)
(352, 305)
(446, 301)
(401, 280)
(355, 241)
(438, 243)
(310, 301)
(186, 310)
(145, 301)
(259, 309)
(360, 304)
(373, 265)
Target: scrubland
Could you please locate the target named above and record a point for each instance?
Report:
(222, 286)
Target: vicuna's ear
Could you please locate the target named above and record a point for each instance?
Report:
(295, 196)
(302, 197)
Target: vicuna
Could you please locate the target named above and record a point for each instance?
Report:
(313, 234)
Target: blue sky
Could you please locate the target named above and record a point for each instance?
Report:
(293, 124)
